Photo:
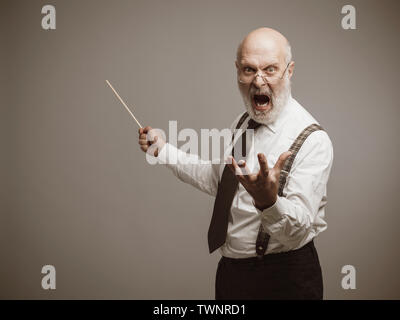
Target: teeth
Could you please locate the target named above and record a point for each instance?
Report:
(258, 101)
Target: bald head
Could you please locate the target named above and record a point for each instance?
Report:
(265, 41)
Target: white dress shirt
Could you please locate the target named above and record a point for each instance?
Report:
(294, 219)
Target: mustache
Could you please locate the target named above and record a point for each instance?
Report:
(261, 91)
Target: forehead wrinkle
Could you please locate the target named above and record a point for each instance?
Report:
(261, 55)
(259, 60)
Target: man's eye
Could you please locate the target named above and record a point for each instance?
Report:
(271, 69)
(248, 69)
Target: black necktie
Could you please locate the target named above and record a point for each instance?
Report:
(226, 192)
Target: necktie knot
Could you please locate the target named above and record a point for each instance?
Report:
(253, 124)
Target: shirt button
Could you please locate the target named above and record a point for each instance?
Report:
(260, 247)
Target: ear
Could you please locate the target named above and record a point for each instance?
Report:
(291, 69)
(237, 65)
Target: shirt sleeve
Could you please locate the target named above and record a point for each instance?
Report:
(191, 169)
(292, 218)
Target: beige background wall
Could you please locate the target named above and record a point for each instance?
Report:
(75, 189)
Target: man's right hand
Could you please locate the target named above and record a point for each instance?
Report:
(148, 137)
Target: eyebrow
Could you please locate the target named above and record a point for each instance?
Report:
(249, 64)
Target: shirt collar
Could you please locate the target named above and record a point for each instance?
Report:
(282, 117)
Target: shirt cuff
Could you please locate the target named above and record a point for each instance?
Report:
(273, 214)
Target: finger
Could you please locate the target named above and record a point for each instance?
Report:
(143, 136)
(152, 134)
(147, 129)
(281, 161)
(244, 168)
(143, 142)
(140, 131)
(231, 163)
(234, 167)
(262, 160)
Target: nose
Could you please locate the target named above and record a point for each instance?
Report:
(258, 81)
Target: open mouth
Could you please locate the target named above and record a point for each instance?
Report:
(261, 102)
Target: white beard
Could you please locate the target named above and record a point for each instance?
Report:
(278, 102)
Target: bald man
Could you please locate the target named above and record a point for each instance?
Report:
(270, 205)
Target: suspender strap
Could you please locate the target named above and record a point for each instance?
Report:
(294, 148)
(263, 237)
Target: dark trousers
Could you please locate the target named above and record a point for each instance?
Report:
(290, 275)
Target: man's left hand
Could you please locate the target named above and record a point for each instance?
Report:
(264, 185)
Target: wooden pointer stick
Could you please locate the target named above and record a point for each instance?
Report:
(123, 103)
